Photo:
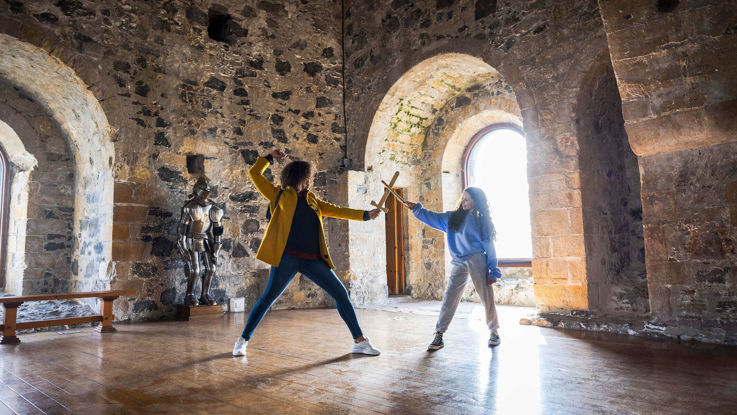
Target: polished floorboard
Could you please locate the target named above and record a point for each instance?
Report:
(299, 363)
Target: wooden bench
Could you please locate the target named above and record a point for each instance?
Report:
(11, 304)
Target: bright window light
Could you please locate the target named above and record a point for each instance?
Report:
(497, 164)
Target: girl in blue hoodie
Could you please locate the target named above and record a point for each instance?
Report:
(471, 235)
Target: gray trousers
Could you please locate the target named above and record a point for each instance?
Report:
(476, 266)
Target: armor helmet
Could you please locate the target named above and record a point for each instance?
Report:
(201, 188)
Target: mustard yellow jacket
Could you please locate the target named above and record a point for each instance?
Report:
(277, 232)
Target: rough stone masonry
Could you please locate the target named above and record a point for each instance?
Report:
(627, 107)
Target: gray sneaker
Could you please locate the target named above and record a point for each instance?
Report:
(494, 339)
(437, 342)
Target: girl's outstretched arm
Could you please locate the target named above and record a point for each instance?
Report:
(435, 220)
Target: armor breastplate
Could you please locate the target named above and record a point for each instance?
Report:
(199, 225)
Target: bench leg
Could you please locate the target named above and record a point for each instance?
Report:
(11, 312)
(106, 310)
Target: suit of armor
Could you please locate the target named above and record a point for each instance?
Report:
(199, 238)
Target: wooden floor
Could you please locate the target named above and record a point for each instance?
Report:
(297, 362)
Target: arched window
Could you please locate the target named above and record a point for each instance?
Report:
(496, 161)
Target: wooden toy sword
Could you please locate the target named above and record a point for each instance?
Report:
(382, 201)
(399, 198)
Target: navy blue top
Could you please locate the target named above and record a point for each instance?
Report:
(305, 232)
(304, 235)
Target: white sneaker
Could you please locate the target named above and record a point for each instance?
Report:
(239, 349)
(365, 347)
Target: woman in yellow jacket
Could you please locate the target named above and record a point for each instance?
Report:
(295, 242)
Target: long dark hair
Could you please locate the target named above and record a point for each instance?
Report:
(481, 209)
(295, 173)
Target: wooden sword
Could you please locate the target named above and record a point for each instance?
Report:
(399, 198)
(382, 201)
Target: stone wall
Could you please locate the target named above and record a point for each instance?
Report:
(48, 236)
(171, 91)
(610, 196)
(367, 245)
(676, 69)
(675, 63)
(514, 288)
(689, 204)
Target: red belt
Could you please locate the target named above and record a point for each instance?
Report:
(302, 255)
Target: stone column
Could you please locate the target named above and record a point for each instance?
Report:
(676, 69)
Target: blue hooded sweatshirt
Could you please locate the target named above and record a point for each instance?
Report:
(467, 240)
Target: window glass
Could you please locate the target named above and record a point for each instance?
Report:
(497, 163)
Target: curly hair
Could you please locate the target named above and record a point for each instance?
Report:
(481, 206)
(295, 173)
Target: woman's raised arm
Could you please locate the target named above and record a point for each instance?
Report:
(256, 174)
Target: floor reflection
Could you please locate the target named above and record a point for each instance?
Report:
(298, 362)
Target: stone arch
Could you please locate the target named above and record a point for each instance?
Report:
(81, 120)
(419, 126)
(371, 285)
(400, 124)
(21, 164)
(85, 65)
(500, 61)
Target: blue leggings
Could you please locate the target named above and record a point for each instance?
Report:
(318, 272)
